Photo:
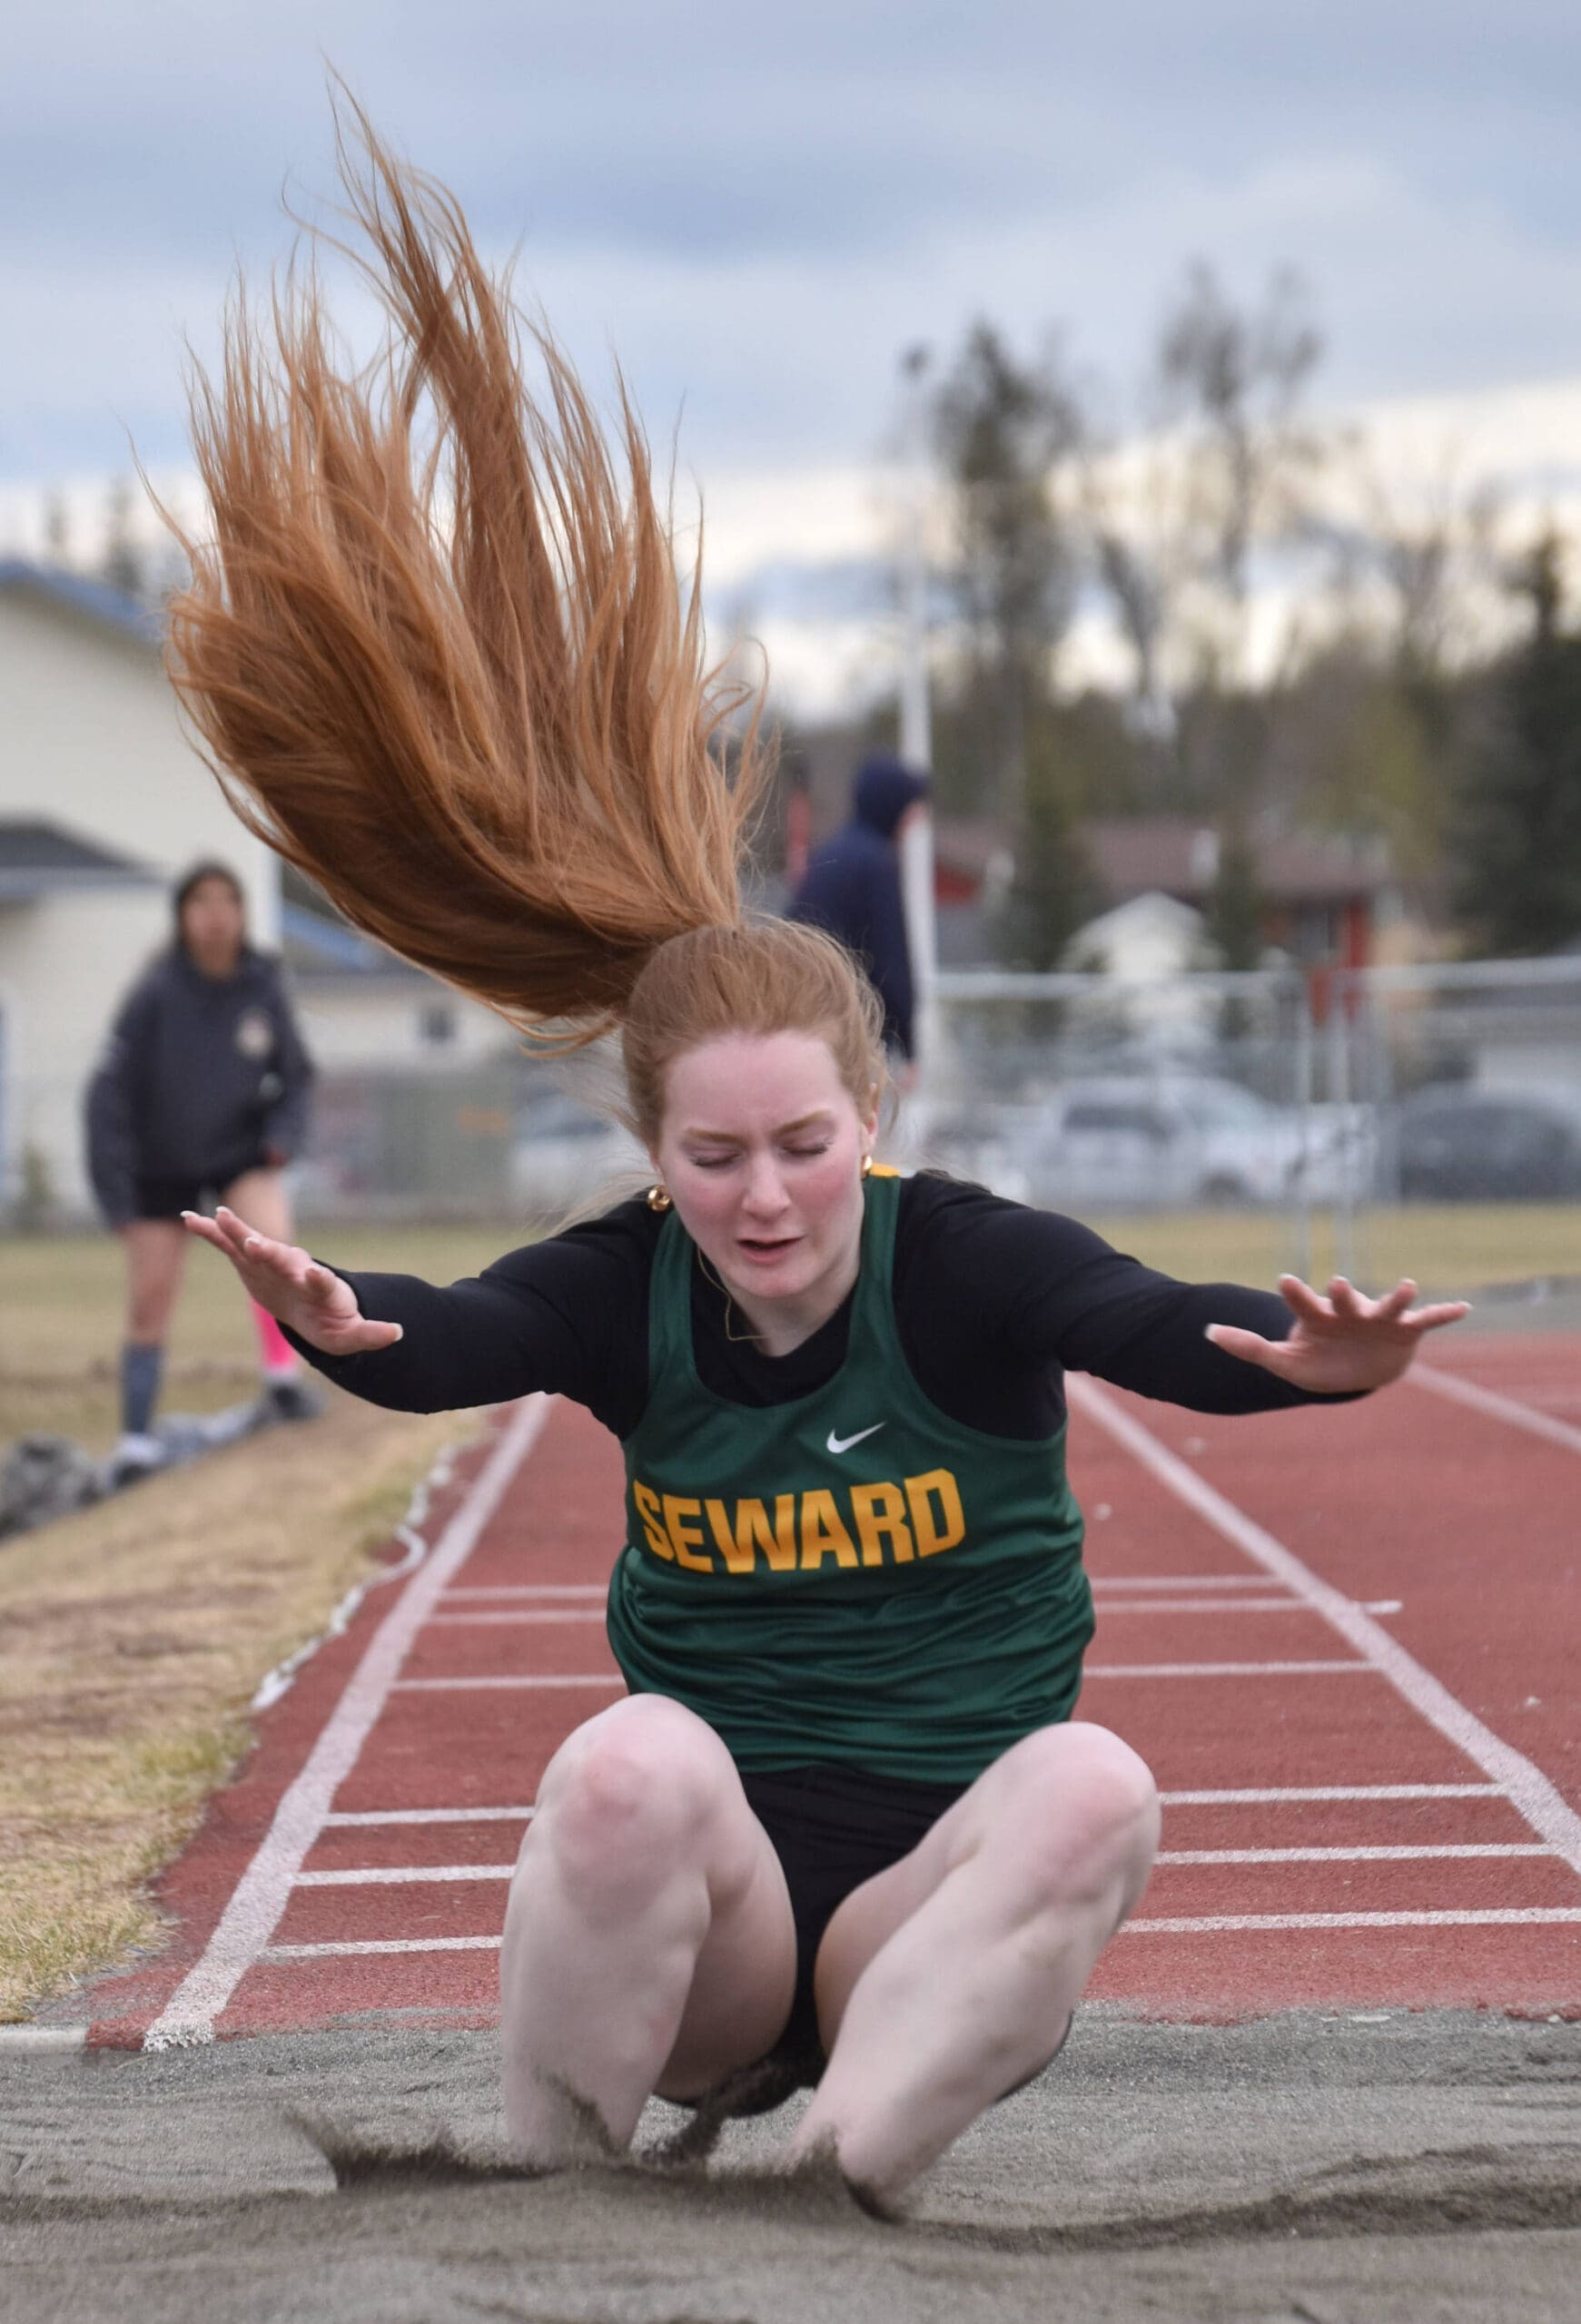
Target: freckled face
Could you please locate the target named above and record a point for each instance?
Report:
(761, 1148)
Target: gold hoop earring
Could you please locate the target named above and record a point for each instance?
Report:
(658, 1197)
(867, 1165)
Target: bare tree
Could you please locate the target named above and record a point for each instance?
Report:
(1223, 466)
(1005, 430)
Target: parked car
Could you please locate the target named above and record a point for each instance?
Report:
(1456, 1142)
(1117, 1142)
(562, 1151)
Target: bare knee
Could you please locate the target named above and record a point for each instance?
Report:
(628, 1801)
(1085, 1814)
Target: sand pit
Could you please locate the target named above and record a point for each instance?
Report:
(1412, 2166)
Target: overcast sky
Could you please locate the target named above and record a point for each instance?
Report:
(760, 207)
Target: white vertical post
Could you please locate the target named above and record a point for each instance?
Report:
(916, 739)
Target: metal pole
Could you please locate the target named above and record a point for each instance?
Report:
(1339, 1107)
(1302, 1261)
(916, 738)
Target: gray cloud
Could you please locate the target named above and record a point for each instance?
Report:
(759, 205)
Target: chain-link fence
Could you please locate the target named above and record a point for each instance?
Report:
(1424, 1119)
(1343, 1106)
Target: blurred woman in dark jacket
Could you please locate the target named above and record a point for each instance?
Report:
(202, 1091)
(851, 888)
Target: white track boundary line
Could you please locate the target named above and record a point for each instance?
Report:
(259, 1897)
(431, 1815)
(1261, 1796)
(544, 1591)
(1537, 1799)
(380, 1945)
(1162, 1583)
(1498, 1407)
(517, 1678)
(1405, 1855)
(1110, 1607)
(535, 1680)
(1188, 1925)
(1512, 1916)
(518, 1614)
(1223, 1669)
(1271, 1795)
(390, 1875)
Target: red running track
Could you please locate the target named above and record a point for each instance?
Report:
(1343, 1641)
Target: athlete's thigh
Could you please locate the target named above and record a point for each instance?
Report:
(1040, 1777)
(259, 1197)
(744, 1973)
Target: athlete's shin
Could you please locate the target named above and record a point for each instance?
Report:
(608, 1909)
(972, 1995)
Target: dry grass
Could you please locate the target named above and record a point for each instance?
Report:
(131, 1638)
(132, 1635)
(1450, 1248)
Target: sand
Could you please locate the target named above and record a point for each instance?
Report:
(1415, 2167)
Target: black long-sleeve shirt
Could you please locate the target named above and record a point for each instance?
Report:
(993, 1303)
(200, 1076)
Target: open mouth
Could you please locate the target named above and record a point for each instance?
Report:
(763, 1249)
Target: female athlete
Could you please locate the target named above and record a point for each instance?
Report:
(845, 1817)
(203, 1087)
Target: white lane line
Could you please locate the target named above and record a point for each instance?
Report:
(1268, 1795)
(558, 1679)
(431, 1816)
(1504, 1408)
(1218, 1669)
(1186, 1924)
(1543, 1806)
(1343, 1856)
(1513, 1916)
(545, 1591)
(387, 1875)
(259, 1897)
(1218, 1607)
(1094, 1670)
(1162, 1581)
(520, 1614)
(381, 1945)
(384, 1875)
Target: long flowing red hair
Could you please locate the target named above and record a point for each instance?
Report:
(438, 652)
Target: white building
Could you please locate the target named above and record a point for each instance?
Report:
(103, 803)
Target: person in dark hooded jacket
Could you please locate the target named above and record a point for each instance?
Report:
(203, 1088)
(852, 887)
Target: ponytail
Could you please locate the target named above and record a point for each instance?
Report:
(436, 650)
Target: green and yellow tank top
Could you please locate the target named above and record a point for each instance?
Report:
(851, 1577)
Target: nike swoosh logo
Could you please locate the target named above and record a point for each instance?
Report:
(844, 1444)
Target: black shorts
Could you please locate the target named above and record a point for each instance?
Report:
(832, 1827)
(168, 1198)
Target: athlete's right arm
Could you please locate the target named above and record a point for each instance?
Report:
(567, 1316)
(311, 1301)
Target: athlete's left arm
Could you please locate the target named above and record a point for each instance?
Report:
(1215, 1348)
(1343, 1344)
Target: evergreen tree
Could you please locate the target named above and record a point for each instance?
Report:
(1235, 905)
(1520, 833)
(1055, 892)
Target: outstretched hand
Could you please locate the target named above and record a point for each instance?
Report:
(318, 1306)
(1342, 1344)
